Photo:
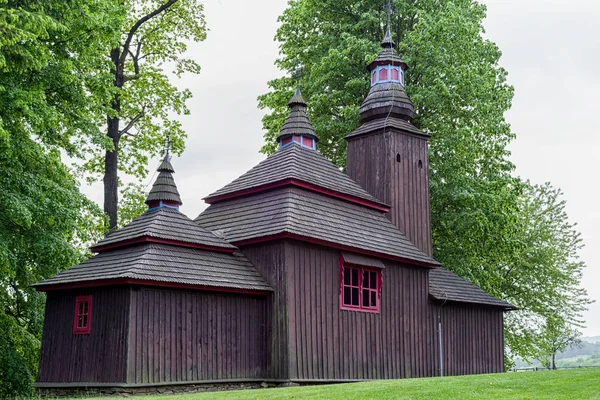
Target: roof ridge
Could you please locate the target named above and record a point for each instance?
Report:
(301, 164)
(164, 223)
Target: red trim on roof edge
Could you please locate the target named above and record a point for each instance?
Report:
(302, 184)
(150, 239)
(286, 235)
(144, 282)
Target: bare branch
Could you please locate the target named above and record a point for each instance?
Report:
(138, 24)
(131, 123)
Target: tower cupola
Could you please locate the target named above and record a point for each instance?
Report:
(387, 96)
(297, 127)
(164, 192)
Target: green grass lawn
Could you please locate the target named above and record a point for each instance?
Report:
(561, 384)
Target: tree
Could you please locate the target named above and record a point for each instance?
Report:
(555, 338)
(543, 274)
(153, 37)
(46, 56)
(481, 213)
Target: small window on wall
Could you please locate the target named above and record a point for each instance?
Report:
(360, 288)
(83, 315)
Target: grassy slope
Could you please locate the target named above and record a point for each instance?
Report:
(562, 384)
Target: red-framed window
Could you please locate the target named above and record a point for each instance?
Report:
(360, 288)
(83, 315)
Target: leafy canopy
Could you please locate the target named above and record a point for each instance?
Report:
(46, 54)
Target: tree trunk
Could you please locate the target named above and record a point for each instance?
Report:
(553, 360)
(111, 158)
(111, 180)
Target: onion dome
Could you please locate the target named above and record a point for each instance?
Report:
(387, 97)
(297, 127)
(164, 192)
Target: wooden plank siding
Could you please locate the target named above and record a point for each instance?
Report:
(326, 343)
(270, 261)
(99, 356)
(191, 336)
(372, 163)
(472, 339)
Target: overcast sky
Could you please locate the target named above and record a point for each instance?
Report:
(550, 49)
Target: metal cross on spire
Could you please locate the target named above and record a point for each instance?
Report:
(167, 147)
(389, 15)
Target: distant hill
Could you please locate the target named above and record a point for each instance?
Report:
(588, 353)
(591, 339)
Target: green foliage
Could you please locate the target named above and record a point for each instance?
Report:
(15, 345)
(556, 336)
(505, 235)
(132, 203)
(149, 50)
(593, 360)
(44, 218)
(544, 275)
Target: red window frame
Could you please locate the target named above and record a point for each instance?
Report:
(356, 282)
(82, 321)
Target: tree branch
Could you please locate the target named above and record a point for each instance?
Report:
(139, 23)
(132, 122)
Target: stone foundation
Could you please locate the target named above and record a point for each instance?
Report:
(146, 390)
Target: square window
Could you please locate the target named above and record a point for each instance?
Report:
(360, 288)
(83, 315)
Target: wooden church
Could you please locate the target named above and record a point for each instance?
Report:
(295, 273)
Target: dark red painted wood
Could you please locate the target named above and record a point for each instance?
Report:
(99, 356)
(472, 339)
(302, 184)
(150, 239)
(270, 259)
(190, 336)
(373, 163)
(327, 342)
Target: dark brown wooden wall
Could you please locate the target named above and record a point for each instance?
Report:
(97, 357)
(333, 344)
(472, 339)
(372, 163)
(270, 260)
(179, 335)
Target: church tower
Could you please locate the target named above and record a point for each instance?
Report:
(387, 154)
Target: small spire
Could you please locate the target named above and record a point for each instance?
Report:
(297, 99)
(297, 127)
(387, 41)
(164, 192)
(387, 97)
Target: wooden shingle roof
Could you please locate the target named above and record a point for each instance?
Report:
(164, 187)
(297, 122)
(297, 163)
(447, 286)
(163, 223)
(378, 125)
(310, 215)
(157, 262)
